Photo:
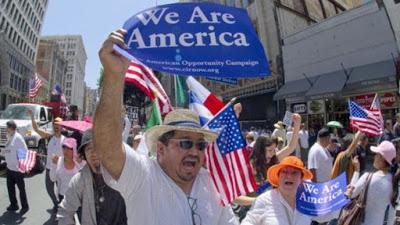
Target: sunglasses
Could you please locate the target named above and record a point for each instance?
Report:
(187, 144)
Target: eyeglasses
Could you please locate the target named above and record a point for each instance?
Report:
(196, 219)
(187, 144)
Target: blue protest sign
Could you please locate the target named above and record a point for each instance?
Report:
(318, 199)
(224, 80)
(200, 39)
(263, 188)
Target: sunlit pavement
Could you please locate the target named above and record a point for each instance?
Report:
(39, 203)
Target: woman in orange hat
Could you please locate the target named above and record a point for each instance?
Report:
(277, 206)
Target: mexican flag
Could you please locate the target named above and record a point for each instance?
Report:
(155, 115)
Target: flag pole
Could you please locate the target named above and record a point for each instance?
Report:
(221, 110)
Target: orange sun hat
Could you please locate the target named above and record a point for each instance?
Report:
(290, 161)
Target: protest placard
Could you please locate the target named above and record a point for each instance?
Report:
(202, 39)
(287, 120)
(318, 199)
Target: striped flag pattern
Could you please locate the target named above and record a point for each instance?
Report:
(227, 158)
(375, 109)
(367, 121)
(144, 78)
(26, 160)
(34, 86)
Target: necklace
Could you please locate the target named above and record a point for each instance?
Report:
(98, 185)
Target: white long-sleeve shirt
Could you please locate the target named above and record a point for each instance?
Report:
(378, 196)
(271, 208)
(62, 176)
(14, 143)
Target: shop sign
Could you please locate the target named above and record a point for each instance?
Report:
(388, 99)
(365, 100)
(316, 106)
(300, 108)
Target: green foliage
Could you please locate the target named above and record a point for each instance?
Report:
(100, 79)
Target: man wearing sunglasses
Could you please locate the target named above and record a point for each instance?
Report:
(174, 188)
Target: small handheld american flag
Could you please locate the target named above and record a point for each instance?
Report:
(227, 158)
(26, 160)
(368, 121)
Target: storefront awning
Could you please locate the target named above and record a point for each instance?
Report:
(327, 85)
(372, 74)
(294, 88)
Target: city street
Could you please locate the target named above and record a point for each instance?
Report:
(39, 203)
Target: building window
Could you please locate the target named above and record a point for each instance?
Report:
(11, 80)
(3, 19)
(12, 10)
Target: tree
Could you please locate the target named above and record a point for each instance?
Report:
(100, 79)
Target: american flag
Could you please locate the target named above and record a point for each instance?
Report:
(34, 86)
(227, 158)
(57, 90)
(26, 160)
(375, 109)
(144, 78)
(367, 121)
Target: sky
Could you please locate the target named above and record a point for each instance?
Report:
(94, 20)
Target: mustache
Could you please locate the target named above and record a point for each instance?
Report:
(191, 158)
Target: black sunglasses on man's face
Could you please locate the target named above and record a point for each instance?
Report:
(187, 144)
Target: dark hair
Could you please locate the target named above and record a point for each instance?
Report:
(395, 187)
(275, 140)
(11, 124)
(164, 138)
(324, 132)
(82, 152)
(258, 157)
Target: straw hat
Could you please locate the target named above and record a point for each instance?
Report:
(279, 125)
(180, 120)
(290, 161)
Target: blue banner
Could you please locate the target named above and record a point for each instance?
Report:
(224, 80)
(318, 199)
(200, 39)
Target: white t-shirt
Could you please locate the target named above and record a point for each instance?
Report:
(271, 208)
(378, 196)
(54, 148)
(321, 160)
(13, 144)
(62, 175)
(303, 137)
(153, 198)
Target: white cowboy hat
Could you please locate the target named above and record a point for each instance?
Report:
(181, 120)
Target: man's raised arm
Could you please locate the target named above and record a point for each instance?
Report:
(107, 125)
